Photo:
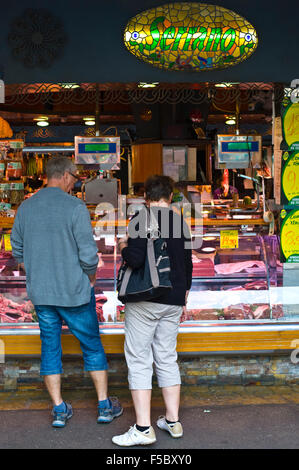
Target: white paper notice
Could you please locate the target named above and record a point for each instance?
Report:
(167, 155)
(171, 170)
(191, 164)
(179, 156)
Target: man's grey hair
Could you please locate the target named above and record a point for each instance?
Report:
(57, 166)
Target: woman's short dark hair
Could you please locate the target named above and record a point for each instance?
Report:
(158, 187)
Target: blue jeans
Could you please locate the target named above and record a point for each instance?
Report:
(83, 323)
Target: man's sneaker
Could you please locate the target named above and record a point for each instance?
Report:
(133, 437)
(175, 430)
(106, 415)
(60, 418)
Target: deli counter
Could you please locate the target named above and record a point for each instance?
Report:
(237, 302)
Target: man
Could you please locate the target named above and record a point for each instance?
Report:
(151, 328)
(52, 239)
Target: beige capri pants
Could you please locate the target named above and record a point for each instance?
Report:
(150, 337)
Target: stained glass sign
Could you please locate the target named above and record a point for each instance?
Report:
(190, 36)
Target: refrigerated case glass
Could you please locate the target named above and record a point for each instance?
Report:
(243, 284)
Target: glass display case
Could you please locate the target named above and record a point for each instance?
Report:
(241, 284)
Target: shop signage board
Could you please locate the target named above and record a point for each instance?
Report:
(290, 125)
(289, 235)
(229, 239)
(290, 179)
(190, 36)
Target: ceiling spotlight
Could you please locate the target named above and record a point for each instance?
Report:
(226, 84)
(42, 123)
(88, 118)
(41, 118)
(89, 122)
(69, 85)
(230, 121)
(147, 85)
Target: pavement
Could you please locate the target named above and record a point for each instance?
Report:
(228, 417)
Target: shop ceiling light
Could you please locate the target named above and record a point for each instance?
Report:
(90, 123)
(41, 118)
(42, 123)
(88, 118)
(69, 85)
(226, 84)
(231, 120)
(147, 85)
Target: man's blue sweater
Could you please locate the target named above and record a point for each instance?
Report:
(52, 236)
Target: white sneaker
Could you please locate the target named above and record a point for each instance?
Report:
(175, 430)
(133, 437)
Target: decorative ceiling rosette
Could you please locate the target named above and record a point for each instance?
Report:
(37, 38)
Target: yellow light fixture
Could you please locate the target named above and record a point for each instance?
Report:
(41, 118)
(147, 85)
(71, 86)
(226, 84)
(230, 121)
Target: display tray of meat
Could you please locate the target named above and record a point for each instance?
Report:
(249, 267)
(14, 312)
(236, 312)
(255, 285)
(100, 300)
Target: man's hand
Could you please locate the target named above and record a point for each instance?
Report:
(92, 278)
(122, 243)
(21, 267)
(184, 313)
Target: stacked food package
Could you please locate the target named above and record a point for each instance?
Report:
(11, 174)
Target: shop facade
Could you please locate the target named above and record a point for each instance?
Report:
(243, 309)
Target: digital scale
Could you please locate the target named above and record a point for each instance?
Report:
(101, 151)
(102, 154)
(238, 151)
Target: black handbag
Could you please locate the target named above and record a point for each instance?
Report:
(150, 280)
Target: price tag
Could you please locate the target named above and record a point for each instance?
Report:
(229, 239)
(7, 244)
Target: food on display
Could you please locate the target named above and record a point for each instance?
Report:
(14, 170)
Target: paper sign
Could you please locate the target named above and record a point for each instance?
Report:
(229, 239)
(289, 236)
(7, 244)
(179, 156)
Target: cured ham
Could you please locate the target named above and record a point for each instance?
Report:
(230, 268)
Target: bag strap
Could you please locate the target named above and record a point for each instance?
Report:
(152, 262)
(152, 225)
(125, 281)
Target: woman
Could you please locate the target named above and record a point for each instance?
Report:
(151, 328)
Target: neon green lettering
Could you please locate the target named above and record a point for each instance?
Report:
(215, 35)
(230, 32)
(169, 33)
(181, 31)
(199, 42)
(155, 33)
(189, 37)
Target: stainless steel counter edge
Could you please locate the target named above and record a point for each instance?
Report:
(25, 330)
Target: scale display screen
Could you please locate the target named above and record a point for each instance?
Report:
(98, 148)
(238, 151)
(102, 151)
(239, 146)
